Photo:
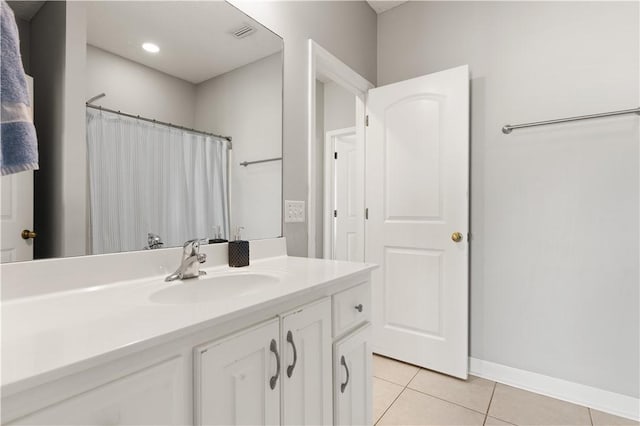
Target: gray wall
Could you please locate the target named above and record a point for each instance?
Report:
(74, 148)
(554, 210)
(137, 89)
(339, 107)
(346, 29)
(246, 103)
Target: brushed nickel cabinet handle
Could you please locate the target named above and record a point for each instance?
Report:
(295, 354)
(343, 386)
(274, 349)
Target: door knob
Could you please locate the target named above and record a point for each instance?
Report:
(456, 237)
(26, 234)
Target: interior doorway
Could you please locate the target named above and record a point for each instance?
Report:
(413, 172)
(337, 97)
(344, 222)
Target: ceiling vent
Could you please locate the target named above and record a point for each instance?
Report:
(243, 31)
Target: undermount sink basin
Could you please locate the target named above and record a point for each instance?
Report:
(211, 287)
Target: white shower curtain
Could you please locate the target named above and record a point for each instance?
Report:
(146, 177)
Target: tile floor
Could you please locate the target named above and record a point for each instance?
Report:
(407, 395)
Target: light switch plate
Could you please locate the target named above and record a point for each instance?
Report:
(293, 211)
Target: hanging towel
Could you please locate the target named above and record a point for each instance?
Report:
(18, 142)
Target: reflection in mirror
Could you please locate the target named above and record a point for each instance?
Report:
(176, 132)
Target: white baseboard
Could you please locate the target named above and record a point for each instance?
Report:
(602, 400)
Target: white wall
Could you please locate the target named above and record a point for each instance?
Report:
(554, 210)
(137, 89)
(246, 104)
(347, 30)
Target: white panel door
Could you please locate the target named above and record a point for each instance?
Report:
(352, 379)
(16, 211)
(307, 377)
(417, 195)
(237, 379)
(349, 217)
(153, 396)
(16, 215)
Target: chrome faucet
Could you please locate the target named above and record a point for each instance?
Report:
(191, 260)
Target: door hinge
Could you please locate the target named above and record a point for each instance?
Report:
(335, 155)
(366, 120)
(335, 213)
(366, 213)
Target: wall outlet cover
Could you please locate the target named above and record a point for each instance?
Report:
(294, 211)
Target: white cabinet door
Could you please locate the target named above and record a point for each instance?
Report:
(417, 195)
(307, 378)
(352, 378)
(237, 379)
(153, 396)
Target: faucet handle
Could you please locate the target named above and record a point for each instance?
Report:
(154, 240)
(191, 247)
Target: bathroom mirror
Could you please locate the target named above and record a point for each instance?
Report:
(167, 125)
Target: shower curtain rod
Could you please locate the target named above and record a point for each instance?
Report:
(164, 123)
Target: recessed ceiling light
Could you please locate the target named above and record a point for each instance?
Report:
(150, 47)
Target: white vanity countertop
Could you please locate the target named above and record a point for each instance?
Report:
(50, 333)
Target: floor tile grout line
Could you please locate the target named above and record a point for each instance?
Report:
(445, 400)
(413, 377)
(393, 383)
(400, 393)
(390, 405)
(486, 415)
(590, 416)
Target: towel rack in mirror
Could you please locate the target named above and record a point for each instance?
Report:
(248, 163)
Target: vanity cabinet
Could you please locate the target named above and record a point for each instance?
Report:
(305, 361)
(352, 359)
(237, 379)
(307, 374)
(150, 396)
(242, 379)
(352, 378)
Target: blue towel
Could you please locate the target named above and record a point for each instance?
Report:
(18, 141)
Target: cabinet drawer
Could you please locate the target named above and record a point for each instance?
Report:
(351, 308)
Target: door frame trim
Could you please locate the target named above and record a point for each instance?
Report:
(322, 63)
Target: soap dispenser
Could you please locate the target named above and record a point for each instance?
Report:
(238, 250)
(217, 237)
